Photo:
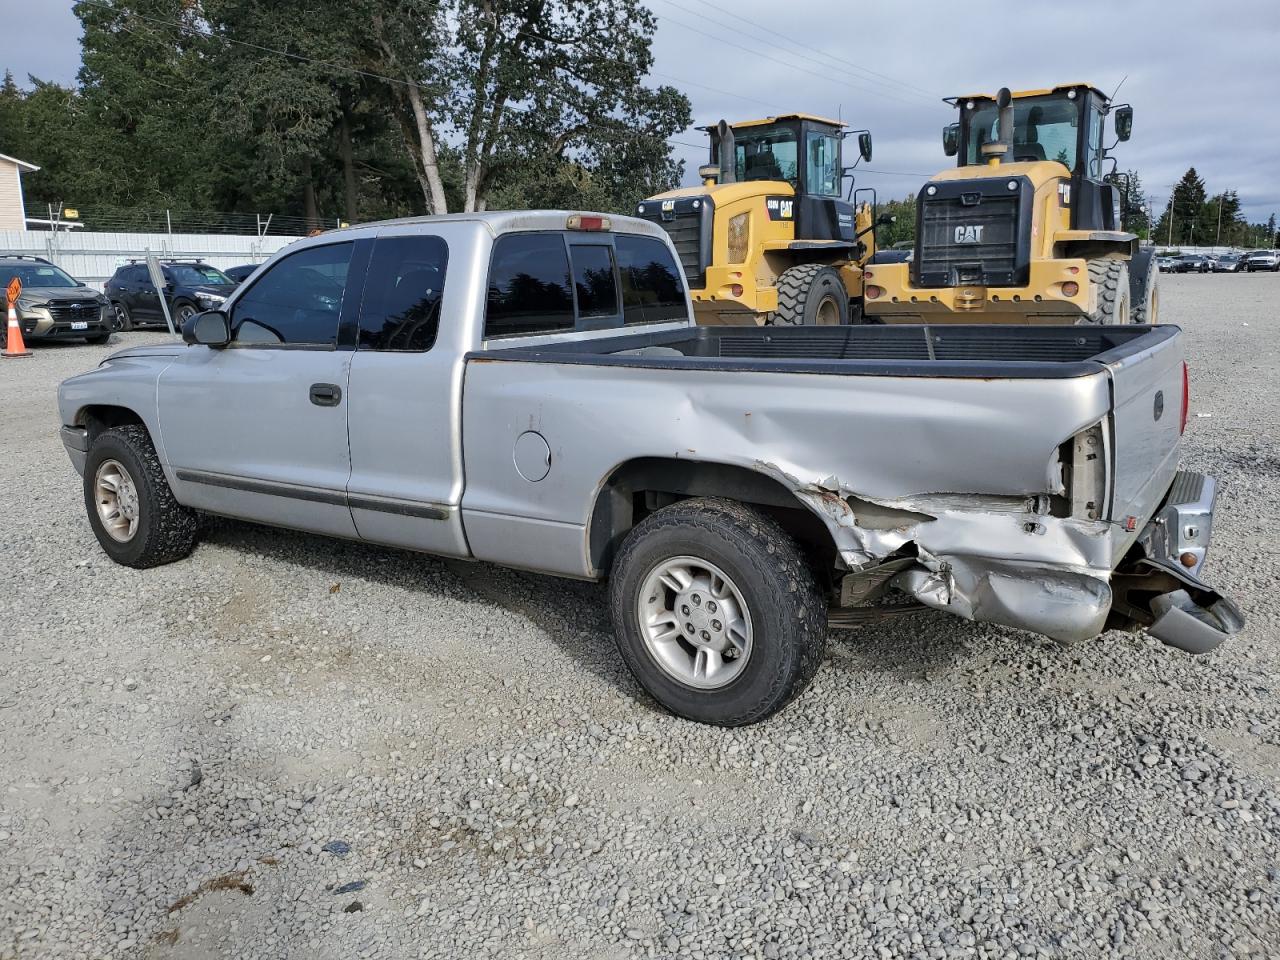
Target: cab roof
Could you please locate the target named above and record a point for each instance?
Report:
(784, 116)
(1062, 87)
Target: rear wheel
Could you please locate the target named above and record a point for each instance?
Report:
(811, 294)
(1110, 279)
(1146, 305)
(716, 612)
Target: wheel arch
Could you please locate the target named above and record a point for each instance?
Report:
(96, 417)
(639, 486)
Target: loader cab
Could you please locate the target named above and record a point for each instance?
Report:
(801, 150)
(1065, 125)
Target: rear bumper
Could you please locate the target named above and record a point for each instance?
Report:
(1162, 590)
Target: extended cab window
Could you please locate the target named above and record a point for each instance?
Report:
(297, 301)
(401, 305)
(651, 288)
(529, 289)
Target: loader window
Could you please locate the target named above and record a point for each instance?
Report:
(1044, 128)
(822, 164)
(766, 154)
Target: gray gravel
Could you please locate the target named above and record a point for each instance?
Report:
(286, 746)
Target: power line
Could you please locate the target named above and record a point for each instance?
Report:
(766, 56)
(772, 34)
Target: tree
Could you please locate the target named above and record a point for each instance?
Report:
(528, 85)
(903, 228)
(1133, 202)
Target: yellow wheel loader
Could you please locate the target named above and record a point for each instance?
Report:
(1025, 229)
(767, 237)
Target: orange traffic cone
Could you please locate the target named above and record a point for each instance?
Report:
(15, 347)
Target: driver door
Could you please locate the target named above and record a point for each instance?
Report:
(258, 430)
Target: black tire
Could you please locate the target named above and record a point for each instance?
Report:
(811, 294)
(1110, 278)
(98, 339)
(183, 310)
(166, 530)
(787, 611)
(1145, 306)
(123, 318)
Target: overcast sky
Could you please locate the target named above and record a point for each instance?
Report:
(1203, 78)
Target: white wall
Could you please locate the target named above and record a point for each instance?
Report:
(93, 257)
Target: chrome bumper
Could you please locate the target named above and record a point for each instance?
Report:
(1164, 591)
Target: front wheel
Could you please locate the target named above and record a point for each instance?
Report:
(182, 312)
(131, 509)
(716, 612)
(811, 294)
(123, 319)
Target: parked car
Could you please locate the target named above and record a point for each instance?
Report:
(1191, 263)
(190, 286)
(1166, 264)
(241, 273)
(1262, 260)
(531, 389)
(53, 304)
(1229, 263)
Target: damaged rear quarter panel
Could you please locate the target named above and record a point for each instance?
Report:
(888, 440)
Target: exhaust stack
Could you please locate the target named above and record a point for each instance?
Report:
(726, 157)
(996, 150)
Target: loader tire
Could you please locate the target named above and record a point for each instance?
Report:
(1146, 305)
(1110, 279)
(811, 294)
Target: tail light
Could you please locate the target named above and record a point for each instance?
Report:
(1186, 398)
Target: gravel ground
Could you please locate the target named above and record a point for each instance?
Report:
(287, 746)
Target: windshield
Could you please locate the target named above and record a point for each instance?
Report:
(1044, 128)
(36, 275)
(766, 154)
(197, 273)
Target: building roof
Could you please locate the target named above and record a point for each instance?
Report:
(20, 164)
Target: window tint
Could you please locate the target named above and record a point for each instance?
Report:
(297, 301)
(401, 306)
(593, 280)
(529, 288)
(651, 286)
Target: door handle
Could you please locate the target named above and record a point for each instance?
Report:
(326, 394)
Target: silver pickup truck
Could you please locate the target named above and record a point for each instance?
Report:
(529, 389)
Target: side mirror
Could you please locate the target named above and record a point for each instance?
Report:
(864, 145)
(951, 139)
(1124, 123)
(885, 219)
(211, 328)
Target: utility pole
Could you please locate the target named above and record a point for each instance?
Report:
(1218, 238)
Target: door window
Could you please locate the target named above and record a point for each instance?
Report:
(297, 301)
(401, 306)
(651, 287)
(529, 289)
(822, 167)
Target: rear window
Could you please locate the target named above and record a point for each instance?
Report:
(529, 289)
(551, 282)
(651, 287)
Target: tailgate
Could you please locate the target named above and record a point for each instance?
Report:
(1147, 408)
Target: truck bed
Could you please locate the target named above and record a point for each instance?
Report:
(981, 351)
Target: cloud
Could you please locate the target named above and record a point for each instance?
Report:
(1201, 78)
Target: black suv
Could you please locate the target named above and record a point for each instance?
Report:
(54, 304)
(190, 286)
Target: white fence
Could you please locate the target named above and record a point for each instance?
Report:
(93, 257)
